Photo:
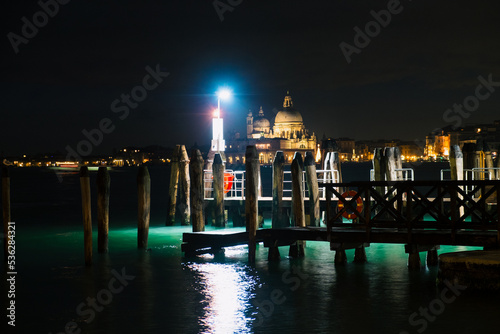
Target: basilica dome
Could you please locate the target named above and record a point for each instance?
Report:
(288, 114)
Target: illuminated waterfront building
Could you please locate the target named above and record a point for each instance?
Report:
(287, 134)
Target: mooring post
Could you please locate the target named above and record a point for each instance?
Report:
(360, 255)
(488, 164)
(278, 216)
(390, 163)
(457, 169)
(144, 206)
(218, 185)
(398, 162)
(174, 184)
(297, 249)
(6, 209)
(456, 163)
(103, 189)
(251, 198)
(413, 256)
(498, 166)
(86, 213)
(184, 184)
(197, 191)
(312, 185)
(340, 257)
(379, 167)
(336, 165)
(432, 258)
(479, 160)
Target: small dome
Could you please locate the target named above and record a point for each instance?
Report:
(261, 122)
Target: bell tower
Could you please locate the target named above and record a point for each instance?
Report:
(249, 124)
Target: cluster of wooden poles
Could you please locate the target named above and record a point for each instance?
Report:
(103, 191)
(279, 216)
(187, 191)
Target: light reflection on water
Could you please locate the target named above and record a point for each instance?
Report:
(226, 290)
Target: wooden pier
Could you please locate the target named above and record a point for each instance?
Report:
(419, 214)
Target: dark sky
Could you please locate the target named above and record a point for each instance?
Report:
(65, 78)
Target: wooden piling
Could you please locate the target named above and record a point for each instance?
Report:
(379, 164)
(251, 198)
(184, 185)
(336, 165)
(488, 164)
(413, 251)
(398, 162)
(297, 249)
(432, 258)
(498, 166)
(103, 189)
(144, 206)
(312, 185)
(468, 152)
(87, 214)
(218, 185)
(390, 164)
(278, 213)
(340, 257)
(379, 167)
(174, 184)
(6, 209)
(360, 255)
(456, 163)
(197, 191)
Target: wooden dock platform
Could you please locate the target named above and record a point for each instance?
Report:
(422, 215)
(211, 242)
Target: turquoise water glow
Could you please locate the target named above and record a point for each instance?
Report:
(207, 294)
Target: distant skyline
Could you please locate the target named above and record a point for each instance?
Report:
(364, 69)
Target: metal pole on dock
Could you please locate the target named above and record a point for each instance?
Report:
(197, 191)
(184, 186)
(144, 206)
(297, 249)
(251, 198)
(103, 189)
(6, 209)
(218, 185)
(278, 215)
(312, 185)
(174, 184)
(87, 215)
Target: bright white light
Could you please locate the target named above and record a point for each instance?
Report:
(224, 94)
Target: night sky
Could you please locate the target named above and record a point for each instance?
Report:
(66, 78)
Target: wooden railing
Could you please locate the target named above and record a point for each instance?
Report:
(408, 205)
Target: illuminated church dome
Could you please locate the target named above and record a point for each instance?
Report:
(261, 123)
(288, 114)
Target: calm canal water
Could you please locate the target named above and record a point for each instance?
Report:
(127, 291)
